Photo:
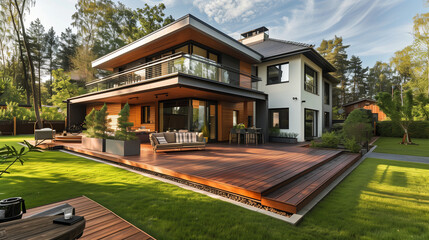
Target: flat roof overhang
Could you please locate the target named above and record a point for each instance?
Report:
(176, 85)
(182, 30)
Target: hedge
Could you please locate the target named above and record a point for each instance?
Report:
(418, 129)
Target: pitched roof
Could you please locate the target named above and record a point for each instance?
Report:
(272, 48)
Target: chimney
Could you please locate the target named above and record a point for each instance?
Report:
(254, 36)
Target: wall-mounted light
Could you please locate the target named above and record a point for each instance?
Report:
(303, 101)
(161, 94)
(295, 98)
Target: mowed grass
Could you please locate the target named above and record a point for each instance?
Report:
(380, 200)
(393, 146)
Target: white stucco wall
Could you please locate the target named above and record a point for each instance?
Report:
(281, 95)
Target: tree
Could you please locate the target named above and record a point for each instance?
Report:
(101, 127)
(14, 6)
(335, 52)
(51, 41)
(63, 89)
(400, 112)
(358, 78)
(12, 18)
(421, 34)
(37, 42)
(123, 132)
(81, 62)
(423, 105)
(150, 19)
(67, 49)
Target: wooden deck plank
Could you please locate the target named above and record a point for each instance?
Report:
(101, 223)
(251, 171)
(292, 197)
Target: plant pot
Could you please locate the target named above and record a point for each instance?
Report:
(96, 144)
(123, 148)
(283, 140)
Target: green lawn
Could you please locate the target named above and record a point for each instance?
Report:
(380, 200)
(392, 145)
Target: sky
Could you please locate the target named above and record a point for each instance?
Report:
(374, 29)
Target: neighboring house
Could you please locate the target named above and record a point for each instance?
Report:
(189, 75)
(365, 103)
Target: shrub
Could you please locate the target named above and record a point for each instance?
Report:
(329, 140)
(123, 132)
(417, 129)
(337, 126)
(358, 125)
(352, 145)
(90, 123)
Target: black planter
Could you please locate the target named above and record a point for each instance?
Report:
(11, 209)
(283, 139)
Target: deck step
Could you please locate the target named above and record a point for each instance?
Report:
(70, 138)
(293, 196)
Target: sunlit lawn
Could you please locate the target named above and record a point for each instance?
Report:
(392, 145)
(380, 200)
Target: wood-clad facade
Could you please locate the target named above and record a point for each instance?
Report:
(368, 104)
(191, 77)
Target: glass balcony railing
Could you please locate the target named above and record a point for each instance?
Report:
(176, 63)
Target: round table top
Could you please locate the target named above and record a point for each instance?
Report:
(40, 228)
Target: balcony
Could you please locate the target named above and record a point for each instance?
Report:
(177, 63)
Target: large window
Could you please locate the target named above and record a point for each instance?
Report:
(278, 73)
(310, 80)
(145, 114)
(279, 118)
(326, 93)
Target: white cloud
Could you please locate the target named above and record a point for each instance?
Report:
(223, 11)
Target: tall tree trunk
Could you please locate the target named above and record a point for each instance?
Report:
(30, 61)
(21, 56)
(40, 92)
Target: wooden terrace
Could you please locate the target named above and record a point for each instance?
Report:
(284, 177)
(101, 223)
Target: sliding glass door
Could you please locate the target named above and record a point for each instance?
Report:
(310, 124)
(189, 114)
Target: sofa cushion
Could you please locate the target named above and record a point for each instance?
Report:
(186, 137)
(161, 140)
(170, 137)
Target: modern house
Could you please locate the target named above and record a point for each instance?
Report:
(368, 104)
(189, 75)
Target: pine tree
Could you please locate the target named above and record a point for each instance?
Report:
(51, 41)
(67, 46)
(123, 125)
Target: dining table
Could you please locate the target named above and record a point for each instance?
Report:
(40, 228)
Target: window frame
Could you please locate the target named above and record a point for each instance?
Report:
(270, 116)
(279, 64)
(326, 97)
(145, 115)
(316, 80)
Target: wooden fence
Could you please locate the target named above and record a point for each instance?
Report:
(15, 126)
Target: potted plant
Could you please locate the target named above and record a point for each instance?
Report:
(282, 137)
(205, 132)
(125, 143)
(96, 130)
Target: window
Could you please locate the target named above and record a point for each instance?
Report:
(278, 73)
(279, 118)
(310, 80)
(145, 114)
(184, 49)
(327, 119)
(326, 94)
(199, 51)
(234, 117)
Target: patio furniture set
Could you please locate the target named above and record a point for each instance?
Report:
(246, 135)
